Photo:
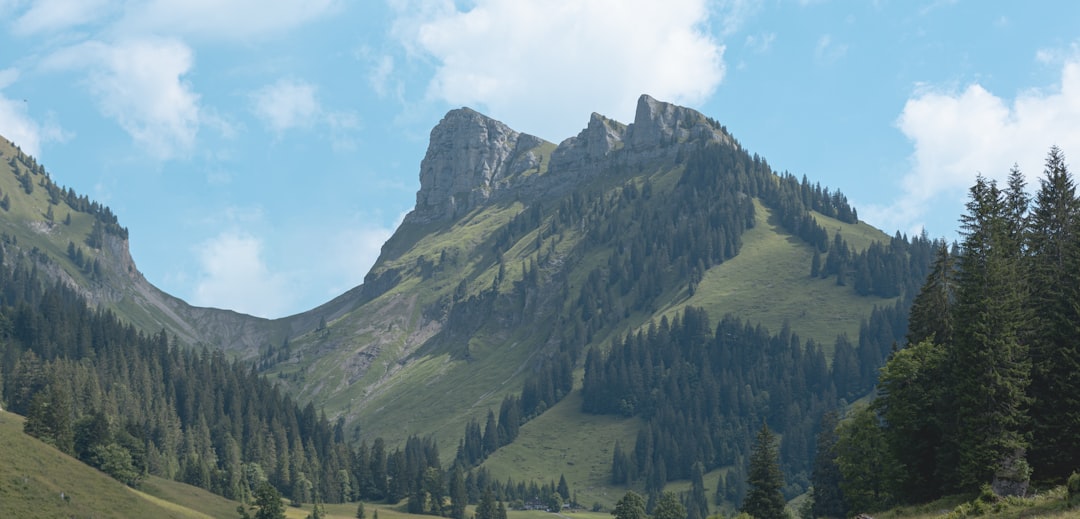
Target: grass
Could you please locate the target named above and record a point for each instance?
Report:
(1053, 503)
(36, 480)
(769, 282)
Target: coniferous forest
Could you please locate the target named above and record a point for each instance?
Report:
(133, 404)
(984, 393)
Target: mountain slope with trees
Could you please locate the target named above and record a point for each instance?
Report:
(526, 270)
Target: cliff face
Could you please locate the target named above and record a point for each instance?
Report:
(470, 159)
(473, 159)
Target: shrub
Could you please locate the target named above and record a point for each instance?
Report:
(1073, 486)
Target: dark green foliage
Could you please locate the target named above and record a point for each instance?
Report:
(865, 462)
(459, 498)
(701, 389)
(361, 514)
(912, 400)
(932, 310)
(991, 377)
(631, 506)
(697, 505)
(268, 502)
(1054, 274)
(763, 498)
(989, 366)
(132, 404)
(487, 509)
(669, 507)
(827, 498)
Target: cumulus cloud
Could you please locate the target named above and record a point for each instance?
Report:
(140, 84)
(958, 134)
(234, 275)
(285, 104)
(543, 66)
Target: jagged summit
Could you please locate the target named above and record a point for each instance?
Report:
(472, 158)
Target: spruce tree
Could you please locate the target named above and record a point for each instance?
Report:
(1054, 269)
(763, 498)
(988, 364)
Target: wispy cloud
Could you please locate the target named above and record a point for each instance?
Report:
(140, 84)
(285, 104)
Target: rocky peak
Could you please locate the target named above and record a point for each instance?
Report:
(472, 158)
(469, 159)
(660, 124)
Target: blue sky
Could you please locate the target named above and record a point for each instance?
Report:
(260, 152)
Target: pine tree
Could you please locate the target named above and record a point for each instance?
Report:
(763, 498)
(360, 514)
(989, 364)
(1054, 251)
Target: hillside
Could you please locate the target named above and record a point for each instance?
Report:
(36, 480)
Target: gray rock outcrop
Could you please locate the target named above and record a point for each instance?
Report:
(473, 159)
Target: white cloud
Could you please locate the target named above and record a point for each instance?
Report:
(57, 15)
(286, 104)
(16, 124)
(958, 134)
(218, 19)
(139, 83)
(543, 66)
(234, 275)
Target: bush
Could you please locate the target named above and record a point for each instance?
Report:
(1073, 486)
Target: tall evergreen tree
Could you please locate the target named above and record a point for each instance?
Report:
(1054, 251)
(931, 311)
(989, 364)
(828, 499)
(763, 498)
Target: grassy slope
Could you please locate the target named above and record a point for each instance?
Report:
(33, 475)
(769, 282)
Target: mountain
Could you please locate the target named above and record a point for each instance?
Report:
(520, 255)
(519, 259)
